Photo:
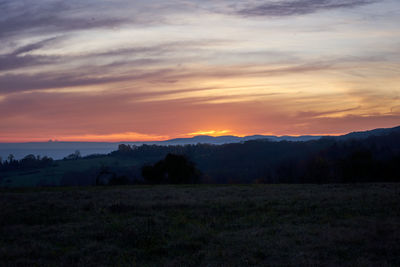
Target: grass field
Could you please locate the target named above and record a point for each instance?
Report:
(342, 225)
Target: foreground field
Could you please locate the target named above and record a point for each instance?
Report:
(201, 225)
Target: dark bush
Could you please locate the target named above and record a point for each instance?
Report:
(174, 169)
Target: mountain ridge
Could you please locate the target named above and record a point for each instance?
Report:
(60, 149)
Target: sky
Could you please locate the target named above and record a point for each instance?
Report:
(121, 70)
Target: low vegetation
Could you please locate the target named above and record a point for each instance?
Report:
(201, 225)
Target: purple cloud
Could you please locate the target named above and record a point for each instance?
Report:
(299, 7)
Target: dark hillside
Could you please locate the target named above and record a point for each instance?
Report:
(328, 160)
(373, 158)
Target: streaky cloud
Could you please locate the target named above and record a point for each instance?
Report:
(127, 56)
(83, 114)
(86, 76)
(299, 7)
(324, 114)
(45, 18)
(19, 59)
(17, 83)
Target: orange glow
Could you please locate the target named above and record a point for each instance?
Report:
(212, 133)
(115, 137)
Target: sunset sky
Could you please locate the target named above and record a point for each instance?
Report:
(97, 70)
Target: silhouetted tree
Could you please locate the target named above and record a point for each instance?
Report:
(122, 148)
(28, 162)
(74, 156)
(174, 169)
(11, 158)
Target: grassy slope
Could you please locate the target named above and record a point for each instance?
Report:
(52, 175)
(201, 225)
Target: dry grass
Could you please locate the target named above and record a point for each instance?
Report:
(353, 225)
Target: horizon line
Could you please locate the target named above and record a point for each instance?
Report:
(191, 137)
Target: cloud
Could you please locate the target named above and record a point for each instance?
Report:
(326, 114)
(19, 59)
(14, 83)
(91, 63)
(103, 75)
(21, 17)
(48, 116)
(22, 57)
(52, 24)
(299, 7)
(348, 123)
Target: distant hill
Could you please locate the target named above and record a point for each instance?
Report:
(345, 159)
(365, 134)
(59, 150)
(220, 140)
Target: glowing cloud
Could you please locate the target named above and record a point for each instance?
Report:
(211, 133)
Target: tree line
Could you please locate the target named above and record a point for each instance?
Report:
(327, 160)
(27, 163)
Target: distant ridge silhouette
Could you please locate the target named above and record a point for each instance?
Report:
(59, 149)
(365, 134)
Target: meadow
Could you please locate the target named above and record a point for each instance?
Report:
(201, 225)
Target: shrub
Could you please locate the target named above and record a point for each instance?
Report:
(174, 169)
